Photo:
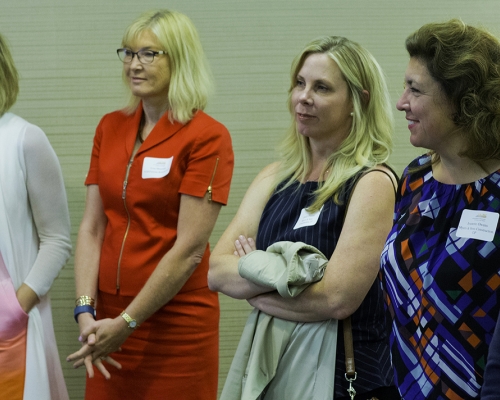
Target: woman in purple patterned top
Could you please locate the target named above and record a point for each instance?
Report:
(441, 261)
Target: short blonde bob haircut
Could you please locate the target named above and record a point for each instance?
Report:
(191, 80)
(9, 79)
(369, 142)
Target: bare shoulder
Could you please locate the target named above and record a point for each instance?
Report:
(262, 186)
(246, 220)
(269, 172)
(380, 175)
(377, 185)
(266, 178)
(374, 195)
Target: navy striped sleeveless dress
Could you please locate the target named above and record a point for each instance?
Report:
(371, 346)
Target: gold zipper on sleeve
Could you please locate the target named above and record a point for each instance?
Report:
(209, 189)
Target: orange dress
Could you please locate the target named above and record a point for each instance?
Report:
(174, 354)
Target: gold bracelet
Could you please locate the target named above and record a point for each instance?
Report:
(84, 301)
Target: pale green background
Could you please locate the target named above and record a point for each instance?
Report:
(70, 77)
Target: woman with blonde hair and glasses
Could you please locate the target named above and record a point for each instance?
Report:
(159, 173)
(34, 246)
(337, 148)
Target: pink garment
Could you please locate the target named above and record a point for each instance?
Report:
(13, 330)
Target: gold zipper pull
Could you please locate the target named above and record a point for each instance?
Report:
(125, 182)
(209, 189)
(124, 189)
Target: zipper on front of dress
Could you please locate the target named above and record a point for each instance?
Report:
(124, 194)
(209, 189)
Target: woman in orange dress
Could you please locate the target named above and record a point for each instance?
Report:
(159, 173)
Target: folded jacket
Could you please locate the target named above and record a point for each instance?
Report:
(288, 267)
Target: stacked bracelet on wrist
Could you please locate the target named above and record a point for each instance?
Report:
(85, 301)
(84, 304)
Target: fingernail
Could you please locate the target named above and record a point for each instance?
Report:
(80, 339)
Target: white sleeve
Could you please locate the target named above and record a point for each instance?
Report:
(47, 197)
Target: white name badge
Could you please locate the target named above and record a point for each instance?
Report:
(307, 219)
(477, 224)
(156, 167)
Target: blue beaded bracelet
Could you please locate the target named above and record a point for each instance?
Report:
(83, 309)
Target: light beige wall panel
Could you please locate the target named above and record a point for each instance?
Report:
(70, 77)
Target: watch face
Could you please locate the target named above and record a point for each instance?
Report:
(132, 324)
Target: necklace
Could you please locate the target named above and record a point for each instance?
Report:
(318, 178)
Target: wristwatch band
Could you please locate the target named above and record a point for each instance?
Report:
(132, 323)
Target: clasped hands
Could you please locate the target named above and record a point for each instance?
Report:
(99, 339)
(103, 337)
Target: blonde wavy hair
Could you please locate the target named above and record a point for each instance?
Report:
(369, 142)
(9, 78)
(191, 81)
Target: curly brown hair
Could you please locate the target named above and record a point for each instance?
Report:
(465, 61)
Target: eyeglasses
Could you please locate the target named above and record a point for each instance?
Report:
(144, 56)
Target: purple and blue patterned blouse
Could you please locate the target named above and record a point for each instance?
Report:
(442, 288)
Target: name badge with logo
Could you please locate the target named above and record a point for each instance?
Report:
(307, 219)
(153, 167)
(477, 224)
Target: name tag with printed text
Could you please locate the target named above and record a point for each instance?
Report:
(477, 224)
(153, 167)
(307, 219)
